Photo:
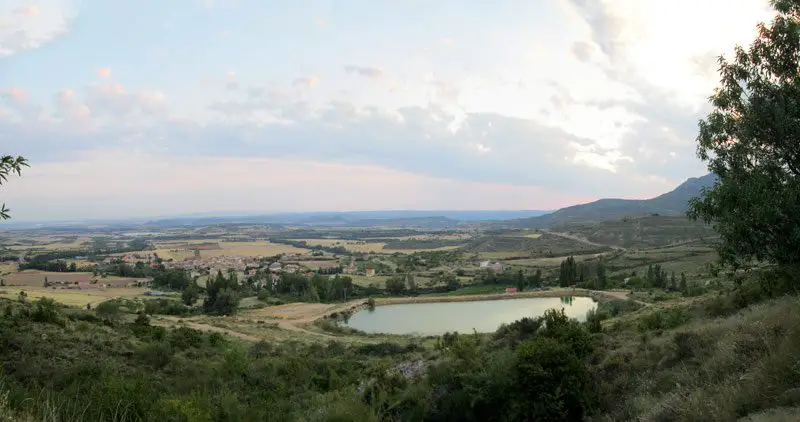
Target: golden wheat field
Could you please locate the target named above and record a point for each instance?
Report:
(78, 298)
(261, 248)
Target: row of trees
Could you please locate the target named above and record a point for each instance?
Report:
(572, 272)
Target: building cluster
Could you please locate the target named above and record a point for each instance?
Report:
(495, 266)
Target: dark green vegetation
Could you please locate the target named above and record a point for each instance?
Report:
(626, 363)
(9, 165)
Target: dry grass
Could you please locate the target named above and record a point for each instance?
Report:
(350, 245)
(78, 298)
(361, 246)
(503, 255)
(8, 268)
(364, 281)
(51, 243)
(709, 370)
(317, 264)
(261, 248)
(550, 262)
(35, 278)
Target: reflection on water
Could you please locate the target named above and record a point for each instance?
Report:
(483, 316)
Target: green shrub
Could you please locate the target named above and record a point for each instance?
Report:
(551, 383)
(617, 307)
(46, 311)
(663, 319)
(184, 338)
(594, 321)
(166, 307)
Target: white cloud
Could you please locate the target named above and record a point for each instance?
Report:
(599, 99)
(24, 26)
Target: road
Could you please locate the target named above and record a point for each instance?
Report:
(582, 240)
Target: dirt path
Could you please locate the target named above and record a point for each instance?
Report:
(583, 240)
(622, 294)
(167, 321)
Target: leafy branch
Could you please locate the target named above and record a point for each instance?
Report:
(9, 166)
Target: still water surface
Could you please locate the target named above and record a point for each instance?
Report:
(483, 316)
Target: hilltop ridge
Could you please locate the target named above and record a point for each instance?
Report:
(673, 203)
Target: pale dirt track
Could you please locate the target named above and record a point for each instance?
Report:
(167, 321)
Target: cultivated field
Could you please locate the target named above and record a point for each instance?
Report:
(35, 278)
(350, 245)
(47, 243)
(78, 298)
(550, 262)
(261, 248)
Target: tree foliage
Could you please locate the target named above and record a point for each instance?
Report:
(9, 165)
(750, 141)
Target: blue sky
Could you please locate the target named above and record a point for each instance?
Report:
(129, 108)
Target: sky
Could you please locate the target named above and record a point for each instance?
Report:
(140, 108)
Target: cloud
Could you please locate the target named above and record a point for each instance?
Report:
(104, 72)
(306, 81)
(373, 73)
(26, 27)
(232, 83)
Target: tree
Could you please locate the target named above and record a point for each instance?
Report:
(673, 284)
(568, 274)
(684, 284)
(222, 297)
(411, 285)
(108, 310)
(396, 285)
(8, 166)
(601, 275)
(749, 140)
(519, 280)
(190, 294)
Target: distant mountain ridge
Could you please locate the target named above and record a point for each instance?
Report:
(675, 202)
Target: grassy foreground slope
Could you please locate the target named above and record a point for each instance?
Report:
(726, 355)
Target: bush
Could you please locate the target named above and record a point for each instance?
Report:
(46, 311)
(166, 307)
(617, 307)
(594, 321)
(184, 338)
(551, 383)
(663, 319)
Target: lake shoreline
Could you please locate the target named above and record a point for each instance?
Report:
(428, 316)
(598, 296)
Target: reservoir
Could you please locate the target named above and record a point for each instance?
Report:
(437, 318)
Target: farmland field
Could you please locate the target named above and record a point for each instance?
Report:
(548, 262)
(79, 298)
(262, 248)
(350, 245)
(314, 265)
(35, 278)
